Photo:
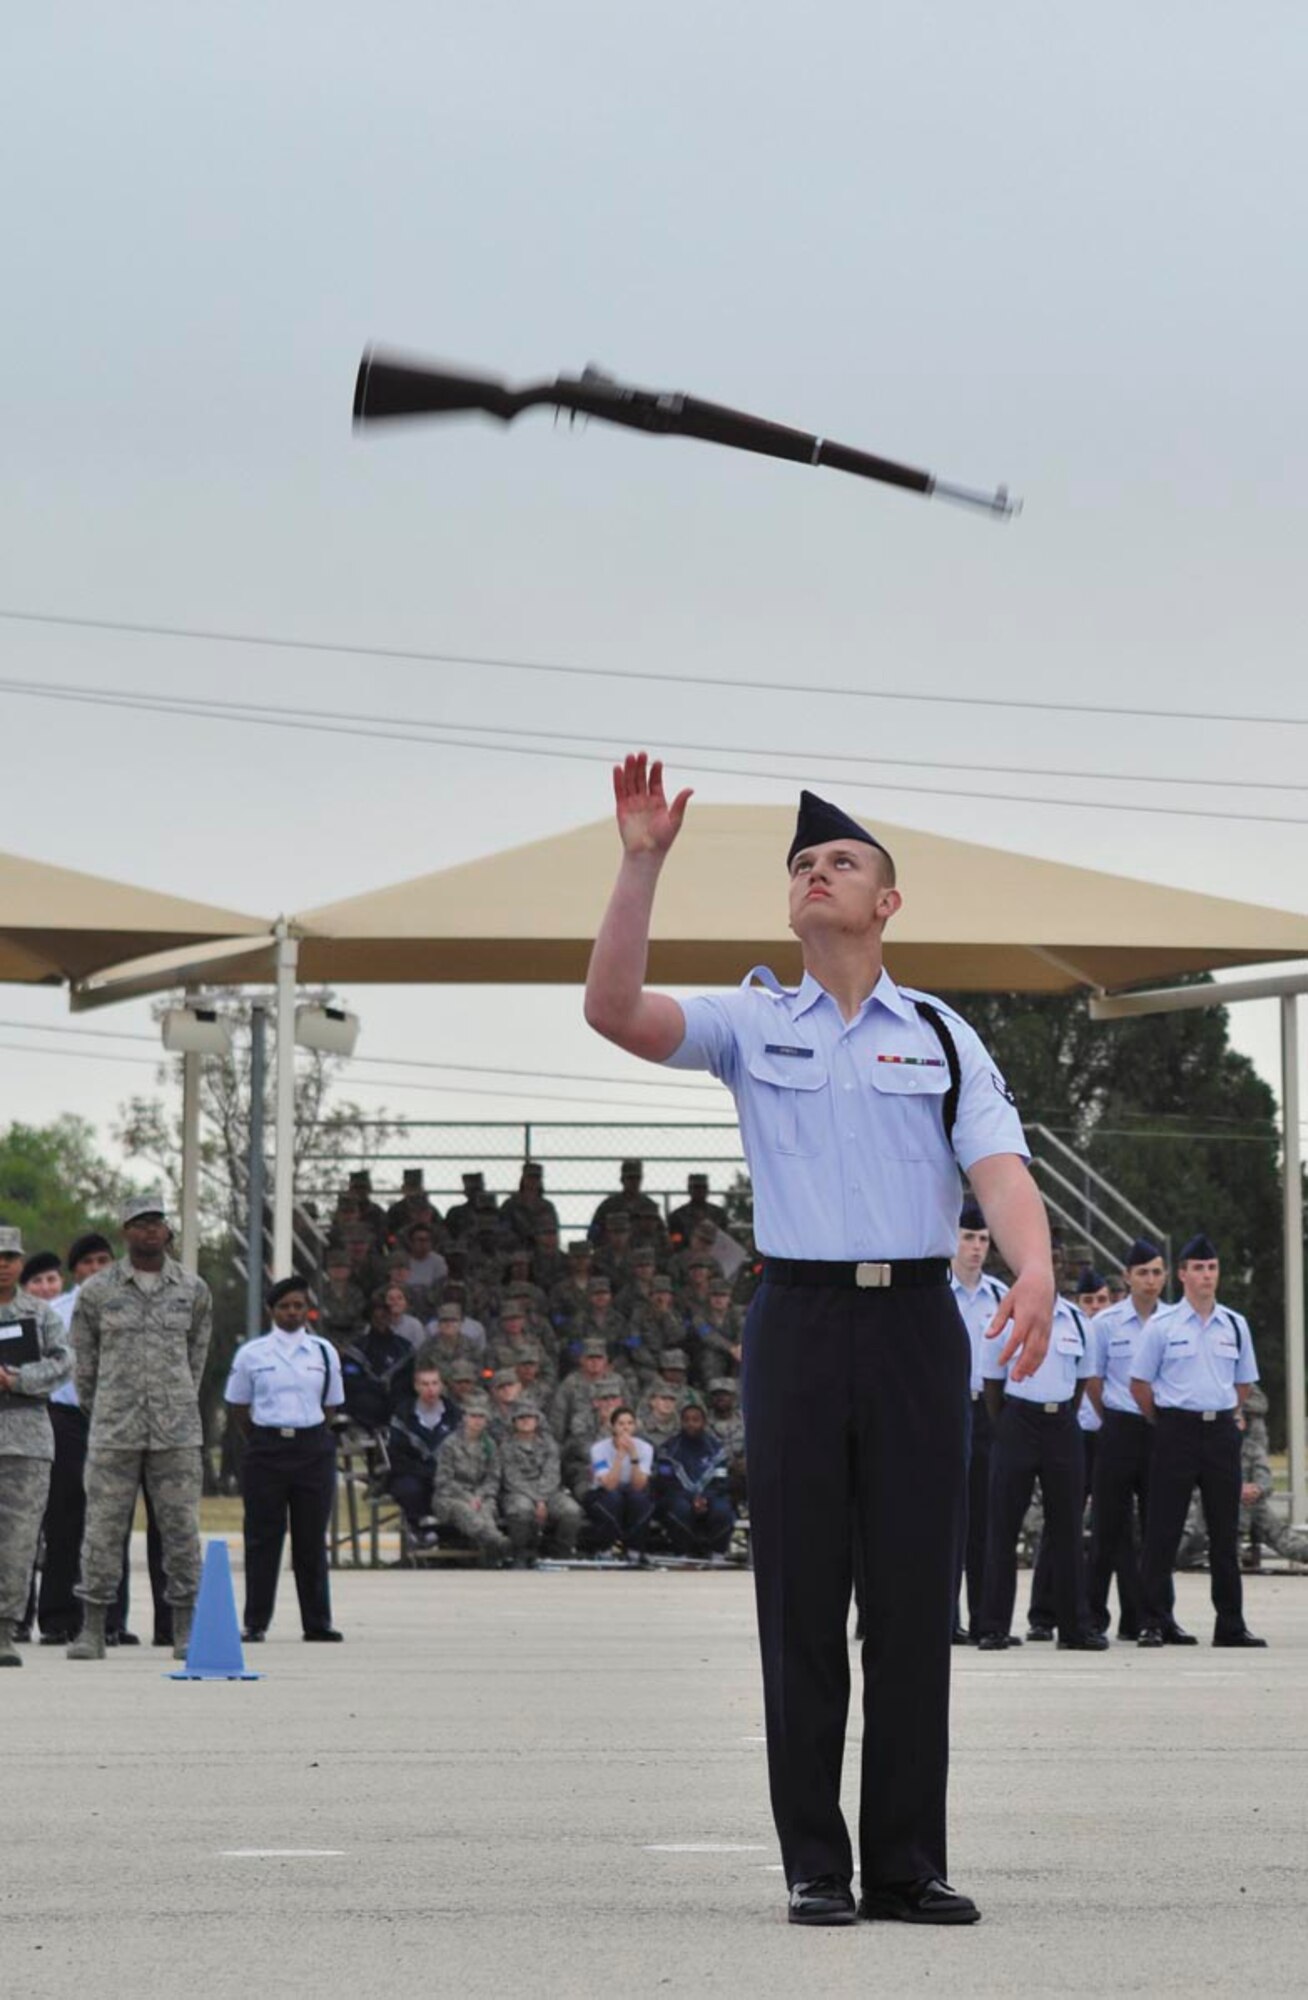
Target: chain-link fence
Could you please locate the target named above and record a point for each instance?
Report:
(580, 1162)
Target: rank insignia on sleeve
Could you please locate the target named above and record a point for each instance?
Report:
(1002, 1088)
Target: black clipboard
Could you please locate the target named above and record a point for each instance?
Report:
(19, 1343)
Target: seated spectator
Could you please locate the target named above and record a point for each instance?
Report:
(505, 1393)
(696, 1208)
(629, 1200)
(641, 1266)
(456, 1293)
(619, 1502)
(613, 1250)
(690, 1488)
(342, 1304)
(647, 1232)
(717, 1333)
(533, 1499)
(569, 1300)
(468, 1484)
(412, 1210)
(549, 1264)
(676, 1373)
(525, 1211)
(462, 1219)
(588, 1427)
(659, 1417)
(370, 1212)
(376, 1371)
(728, 1426)
(533, 1372)
(396, 1301)
(602, 1322)
(464, 1380)
(659, 1320)
(367, 1267)
(523, 1293)
(446, 1339)
(428, 1270)
(696, 1277)
(419, 1427)
(575, 1390)
(513, 1339)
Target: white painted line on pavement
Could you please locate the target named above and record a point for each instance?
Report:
(706, 1847)
(279, 1853)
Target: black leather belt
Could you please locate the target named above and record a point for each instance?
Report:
(867, 1276)
(1040, 1409)
(1194, 1416)
(287, 1430)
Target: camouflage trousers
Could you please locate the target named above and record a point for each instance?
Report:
(24, 1488)
(562, 1522)
(172, 1478)
(1260, 1522)
(477, 1525)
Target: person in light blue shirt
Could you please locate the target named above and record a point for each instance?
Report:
(978, 1298)
(1191, 1371)
(281, 1387)
(1120, 1481)
(859, 1102)
(1036, 1437)
(1092, 1297)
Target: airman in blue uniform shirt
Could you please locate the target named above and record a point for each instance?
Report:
(1192, 1367)
(978, 1298)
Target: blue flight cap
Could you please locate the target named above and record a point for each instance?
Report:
(1142, 1251)
(1201, 1249)
(1090, 1280)
(818, 822)
(284, 1287)
(971, 1217)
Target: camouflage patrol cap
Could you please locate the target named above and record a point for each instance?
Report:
(644, 1255)
(502, 1377)
(607, 1385)
(702, 1264)
(449, 1312)
(674, 1357)
(137, 1206)
(722, 1385)
(462, 1371)
(601, 1282)
(518, 1253)
(590, 1349)
(11, 1242)
(659, 1389)
(580, 1247)
(521, 1288)
(512, 1309)
(526, 1406)
(477, 1404)
(529, 1350)
(718, 1283)
(660, 1282)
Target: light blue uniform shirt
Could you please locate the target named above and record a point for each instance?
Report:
(1114, 1337)
(1192, 1365)
(841, 1121)
(1066, 1363)
(978, 1309)
(287, 1379)
(63, 1304)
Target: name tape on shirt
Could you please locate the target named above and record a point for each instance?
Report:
(779, 1049)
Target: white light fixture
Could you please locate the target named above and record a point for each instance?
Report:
(196, 1031)
(328, 1029)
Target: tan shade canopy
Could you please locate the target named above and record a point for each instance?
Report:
(58, 924)
(974, 918)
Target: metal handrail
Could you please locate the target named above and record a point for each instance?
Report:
(1069, 1152)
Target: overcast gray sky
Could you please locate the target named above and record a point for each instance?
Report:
(1036, 243)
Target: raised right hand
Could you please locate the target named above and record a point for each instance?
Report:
(646, 822)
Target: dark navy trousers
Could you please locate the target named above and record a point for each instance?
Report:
(1190, 1452)
(856, 1410)
(295, 1479)
(1120, 1485)
(981, 1439)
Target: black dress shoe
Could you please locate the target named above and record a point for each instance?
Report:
(1174, 1636)
(1084, 1642)
(127, 1639)
(826, 1900)
(992, 1642)
(328, 1636)
(1241, 1638)
(255, 1636)
(1151, 1635)
(1127, 1630)
(930, 1902)
(959, 1636)
(1039, 1632)
(57, 1638)
(22, 1635)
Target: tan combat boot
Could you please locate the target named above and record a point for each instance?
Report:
(9, 1653)
(182, 1616)
(90, 1646)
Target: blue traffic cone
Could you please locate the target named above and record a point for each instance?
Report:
(214, 1653)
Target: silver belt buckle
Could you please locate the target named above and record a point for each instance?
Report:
(1210, 1416)
(1052, 1409)
(871, 1277)
(287, 1431)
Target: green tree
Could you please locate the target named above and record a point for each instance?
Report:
(54, 1184)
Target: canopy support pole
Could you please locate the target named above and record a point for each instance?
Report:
(288, 952)
(190, 1190)
(1296, 1415)
(254, 1278)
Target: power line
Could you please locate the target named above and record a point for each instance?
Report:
(214, 711)
(418, 728)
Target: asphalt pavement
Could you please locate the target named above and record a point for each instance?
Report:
(554, 1784)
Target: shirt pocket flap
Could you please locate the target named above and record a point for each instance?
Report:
(915, 1079)
(789, 1072)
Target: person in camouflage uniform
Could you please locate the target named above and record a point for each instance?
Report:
(511, 1339)
(531, 1370)
(505, 1395)
(589, 1425)
(26, 1436)
(717, 1333)
(549, 1264)
(699, 1251)
(468, 1483)
(696, 1208)
(342, 1304)
(659, 1416)
(676, 1372)
(574, 1391)
(1259, 1521)
(446, 1341)
(613, 1251)
(141, 1332)
(525, 1211)
(629, 1201)
(533, 1500)
(464, 1380)
(728, 1425)
(658, 1320)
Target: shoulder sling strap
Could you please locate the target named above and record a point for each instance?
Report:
(935, 1019)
